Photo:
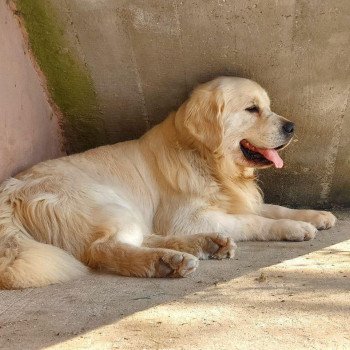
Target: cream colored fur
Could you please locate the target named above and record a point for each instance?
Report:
(150, 207)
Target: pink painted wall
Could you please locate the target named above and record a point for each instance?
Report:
(29, 131)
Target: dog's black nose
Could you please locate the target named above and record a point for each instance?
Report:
(288, 128)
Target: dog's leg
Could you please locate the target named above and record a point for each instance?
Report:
(128, 260)
(242, 227)
(116, 246)
(202, 245)
(322, 220)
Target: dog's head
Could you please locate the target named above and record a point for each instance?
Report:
(233, 116)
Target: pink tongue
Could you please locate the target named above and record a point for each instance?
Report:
(271, 155)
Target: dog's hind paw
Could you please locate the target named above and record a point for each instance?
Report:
(177, 265)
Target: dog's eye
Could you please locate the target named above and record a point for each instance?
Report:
(252, 109)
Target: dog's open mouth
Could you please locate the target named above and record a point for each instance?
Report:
(261, 156)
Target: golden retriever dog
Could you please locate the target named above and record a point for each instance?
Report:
(152, 207)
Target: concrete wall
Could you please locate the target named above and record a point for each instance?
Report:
(145, 56)
(29, 128)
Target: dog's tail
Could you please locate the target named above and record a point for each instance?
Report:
(25, 262)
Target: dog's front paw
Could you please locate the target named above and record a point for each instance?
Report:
(225, 246)
(322, 220)
(209, 246)
(291, 230)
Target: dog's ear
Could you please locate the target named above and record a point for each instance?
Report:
(203, 118)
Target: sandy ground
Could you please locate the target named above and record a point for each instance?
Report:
(278, 295)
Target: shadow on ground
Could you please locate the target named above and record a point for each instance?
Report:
(38, 318)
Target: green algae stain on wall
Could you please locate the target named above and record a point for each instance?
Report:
(69, 82)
